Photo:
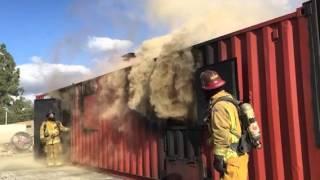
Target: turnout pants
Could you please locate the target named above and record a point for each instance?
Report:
(54, 154)
(237, 168)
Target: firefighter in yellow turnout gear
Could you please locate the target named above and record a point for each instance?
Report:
(225, 126)
(50, 131)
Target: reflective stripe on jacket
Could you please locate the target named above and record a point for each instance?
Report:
(225, 126)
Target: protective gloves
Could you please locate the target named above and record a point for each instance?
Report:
(219, 164)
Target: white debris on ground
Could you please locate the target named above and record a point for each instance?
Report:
(23, 167)
(6, 149)
(62, 173)
(19, 164)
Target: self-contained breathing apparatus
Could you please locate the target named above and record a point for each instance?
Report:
(250, 137)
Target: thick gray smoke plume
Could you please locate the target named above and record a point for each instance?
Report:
(67, 99)
(163, 78)
(171, 86)
(112, 97)
(165, 85)
(140, 74)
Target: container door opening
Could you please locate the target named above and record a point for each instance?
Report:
(228, 71)
(182, 153)
(41, 108)
(312, 11)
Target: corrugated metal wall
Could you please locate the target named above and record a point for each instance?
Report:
(274, 75)
(128, 145)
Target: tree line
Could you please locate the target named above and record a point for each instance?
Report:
(13, 105)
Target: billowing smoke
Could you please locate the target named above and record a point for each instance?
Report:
(164, 84)
(67, 99)
(112, 97)
(171, 86)
(140, 74)
(163, 79)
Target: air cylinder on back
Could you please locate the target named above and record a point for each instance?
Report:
(252, 125)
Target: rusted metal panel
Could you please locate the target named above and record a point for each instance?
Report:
(140, 152)
(274, 74)
(124, 146)
(41, 96)
(312, 10)
(254, 96)
(223, 54)
(236, 52)
(154, 155)
(291, 100)
(274, 129)
(146, 158)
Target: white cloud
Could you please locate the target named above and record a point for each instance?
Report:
(107, 44)
(40, 77)
(280, 2)
(30, 97)
(36, 59)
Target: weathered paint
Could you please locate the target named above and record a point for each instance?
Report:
(126, 146)
(273, 65)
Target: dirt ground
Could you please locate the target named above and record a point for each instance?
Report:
(23, 167)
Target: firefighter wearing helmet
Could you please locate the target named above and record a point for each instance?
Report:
(50, 132)
(225, 127)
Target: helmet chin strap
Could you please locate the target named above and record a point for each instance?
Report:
(210, 93)
(51, 118)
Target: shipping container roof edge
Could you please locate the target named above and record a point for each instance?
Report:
(251, 28)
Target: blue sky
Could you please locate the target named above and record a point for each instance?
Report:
(49, 28)
(32, 27)
(56, 43)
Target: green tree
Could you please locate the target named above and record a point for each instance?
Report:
(9, 78)
(18, 108)
(21, 110)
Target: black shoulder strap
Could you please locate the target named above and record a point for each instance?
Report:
(44, 126)
(58, 123)
(235, 102)
(223, 98)
(228, 99)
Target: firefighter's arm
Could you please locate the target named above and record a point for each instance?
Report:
(55, 132)
(221, 125)
(63, 128)
(42, 133)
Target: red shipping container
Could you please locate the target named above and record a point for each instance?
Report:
(277, 68)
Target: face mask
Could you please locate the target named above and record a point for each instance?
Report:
(51, 116)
